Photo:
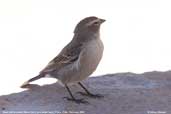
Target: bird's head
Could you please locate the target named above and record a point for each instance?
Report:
(88, 24)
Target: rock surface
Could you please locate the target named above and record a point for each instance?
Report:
(124, 93)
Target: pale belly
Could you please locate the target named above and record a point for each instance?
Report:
(91, 56)
(86, 64)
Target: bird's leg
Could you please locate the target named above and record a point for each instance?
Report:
(73, 98)
(88, 93)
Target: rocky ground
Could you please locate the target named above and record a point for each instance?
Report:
(124, 93)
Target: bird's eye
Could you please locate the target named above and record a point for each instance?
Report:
(96, 23)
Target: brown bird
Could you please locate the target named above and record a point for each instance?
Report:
(78, 59)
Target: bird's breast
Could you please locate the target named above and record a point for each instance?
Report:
(91, 55)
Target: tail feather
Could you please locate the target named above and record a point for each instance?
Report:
(32, 79)
(35, 78)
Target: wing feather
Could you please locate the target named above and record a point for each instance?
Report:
(67, 56)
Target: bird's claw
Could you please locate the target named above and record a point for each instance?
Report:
(78, 101)
(91, 95)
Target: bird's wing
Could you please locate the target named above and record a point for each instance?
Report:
(67, 56)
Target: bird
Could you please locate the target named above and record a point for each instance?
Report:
(78, 59)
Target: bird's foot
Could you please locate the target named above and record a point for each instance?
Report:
(91, 95)
(78, 101)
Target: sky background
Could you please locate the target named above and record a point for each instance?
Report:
(136, 36)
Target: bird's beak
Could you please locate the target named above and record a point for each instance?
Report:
(102, 20)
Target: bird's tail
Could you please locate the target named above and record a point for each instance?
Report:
(32, 79)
